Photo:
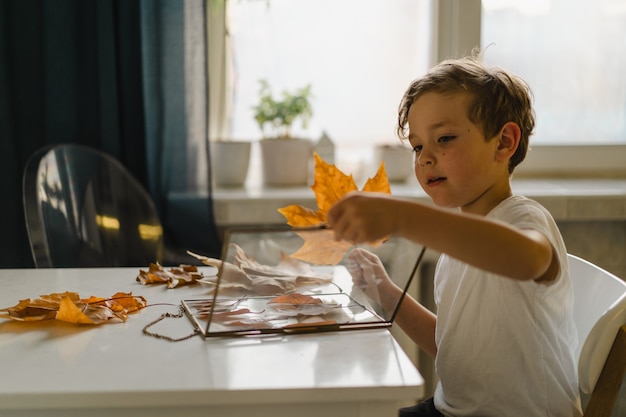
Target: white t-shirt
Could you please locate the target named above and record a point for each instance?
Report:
(505, 347)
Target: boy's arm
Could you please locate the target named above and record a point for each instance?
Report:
(486, 244)
(418, 323)
(492, 246)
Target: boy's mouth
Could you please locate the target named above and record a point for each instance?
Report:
(435, 180)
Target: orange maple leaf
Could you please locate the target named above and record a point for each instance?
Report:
(321, 248)
(330, 185)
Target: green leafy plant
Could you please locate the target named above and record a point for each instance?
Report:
(275, 117)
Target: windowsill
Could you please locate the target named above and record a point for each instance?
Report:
(567, 199)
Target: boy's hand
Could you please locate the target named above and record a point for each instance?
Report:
(368, 274)
(360, 217)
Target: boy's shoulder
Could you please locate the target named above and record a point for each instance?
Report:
(518, 208)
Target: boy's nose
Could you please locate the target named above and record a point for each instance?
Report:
(424, 158)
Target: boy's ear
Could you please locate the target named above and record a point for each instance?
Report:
(508, 140)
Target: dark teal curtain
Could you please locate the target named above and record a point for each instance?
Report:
(91, 72)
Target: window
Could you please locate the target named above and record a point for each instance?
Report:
(360, 55)
(573, 55)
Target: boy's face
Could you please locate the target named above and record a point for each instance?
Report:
(454, 163)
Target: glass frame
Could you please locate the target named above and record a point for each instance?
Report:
(332, 303)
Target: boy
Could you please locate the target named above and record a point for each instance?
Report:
(503, 336)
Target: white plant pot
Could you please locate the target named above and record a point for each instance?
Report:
(398, 161)
(229, 162)
(286, 162)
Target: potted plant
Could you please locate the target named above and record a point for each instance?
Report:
(286, 159)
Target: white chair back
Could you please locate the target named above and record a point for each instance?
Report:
(599, 311)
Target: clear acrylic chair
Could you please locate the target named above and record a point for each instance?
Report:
(600, 315)
(83, 208)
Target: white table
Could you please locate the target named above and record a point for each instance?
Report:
(57, 369)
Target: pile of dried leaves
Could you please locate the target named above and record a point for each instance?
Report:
(69, 307)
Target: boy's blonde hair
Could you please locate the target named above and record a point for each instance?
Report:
(498, 98)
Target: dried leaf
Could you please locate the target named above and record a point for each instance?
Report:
(302, 216)
(295, 298)
(320, 247)
(379, 183)
(27, 311)
(69, 312)
(69, 307)
(175, 277)
(297, 304)
(330, 186)
(246, 275)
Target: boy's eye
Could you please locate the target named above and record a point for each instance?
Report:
(417, 148)
(444, 139)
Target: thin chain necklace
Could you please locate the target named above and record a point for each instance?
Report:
(162, 317)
